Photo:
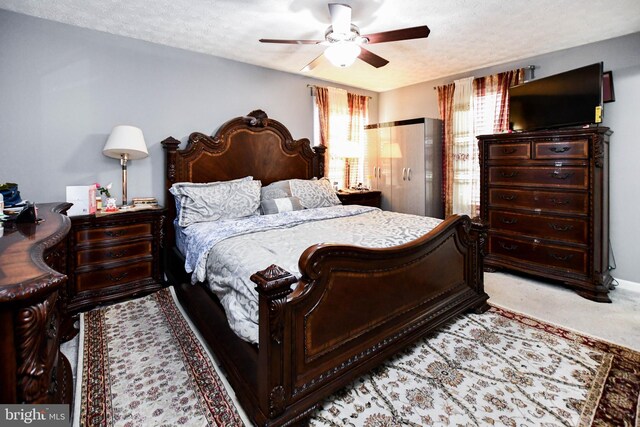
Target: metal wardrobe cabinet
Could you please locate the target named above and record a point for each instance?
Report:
(404, 162)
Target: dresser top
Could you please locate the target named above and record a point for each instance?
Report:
(23, 272)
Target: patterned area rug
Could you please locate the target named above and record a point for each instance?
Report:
(143, 365)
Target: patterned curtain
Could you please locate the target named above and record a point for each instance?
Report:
(445, 105)
(322, 101)
(482, 109)
(491, 101)
(358, 119)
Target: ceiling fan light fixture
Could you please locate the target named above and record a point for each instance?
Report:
(342, 54)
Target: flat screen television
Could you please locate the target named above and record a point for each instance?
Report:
(565, 99)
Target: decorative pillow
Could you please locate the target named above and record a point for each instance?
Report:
(285, 204)
(216, 201)
(176, 192)
(314, 193)
(276, 190)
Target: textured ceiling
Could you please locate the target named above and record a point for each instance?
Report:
(465, 34)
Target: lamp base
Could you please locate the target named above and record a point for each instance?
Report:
(125, 207)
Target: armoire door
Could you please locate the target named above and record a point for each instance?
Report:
(408, 169)
(378, 148)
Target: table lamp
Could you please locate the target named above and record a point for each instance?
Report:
(125, 143)
(346, 150)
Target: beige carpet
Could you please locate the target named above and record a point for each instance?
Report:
(618, 322)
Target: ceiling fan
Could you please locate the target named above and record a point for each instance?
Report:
(345, 42)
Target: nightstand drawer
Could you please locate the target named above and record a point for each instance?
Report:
(363, 198)
(108, 277)
(99, 234)
(113, 253)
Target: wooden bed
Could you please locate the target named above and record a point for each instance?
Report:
(352, 308)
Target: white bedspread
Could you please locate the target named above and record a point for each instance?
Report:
(281, 240)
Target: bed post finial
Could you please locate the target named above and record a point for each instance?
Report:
(257, 118)
(274, 285)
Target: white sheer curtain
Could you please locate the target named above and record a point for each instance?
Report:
(466, 164)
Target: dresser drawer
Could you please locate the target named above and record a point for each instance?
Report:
(543, 201)
(106, 278)
(546, 227)
(564, 258)
(561, 150)
(520, 151)
(122, 232)
(113, 253)
(536, 176)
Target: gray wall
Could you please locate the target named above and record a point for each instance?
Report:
(620, 55)
(63, 88)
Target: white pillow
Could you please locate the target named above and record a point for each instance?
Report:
(215, 201)
(314, 193)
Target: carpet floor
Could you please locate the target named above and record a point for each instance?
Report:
(141, 363)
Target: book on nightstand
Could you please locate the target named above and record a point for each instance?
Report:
(144, 201)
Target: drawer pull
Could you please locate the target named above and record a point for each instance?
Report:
(512, 174)
(508, 220)
(560, 149)
(558, 175)
(558, 227)
(115, 233)
(509, 150)
(119, 254)
(560, 257)
(508, 247)
(559, 201)
(507, 197)
(119, 277)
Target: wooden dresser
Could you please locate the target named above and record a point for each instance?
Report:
(545, 197)
(114, 256)
(32, 259)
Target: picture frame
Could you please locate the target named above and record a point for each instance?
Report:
(608, 94)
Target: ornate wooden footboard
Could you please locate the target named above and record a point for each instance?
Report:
(352, 307)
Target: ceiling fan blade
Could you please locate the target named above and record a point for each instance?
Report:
(290, 41)
(340, 18)
(371, 58)
(313, 64)
(396, 35)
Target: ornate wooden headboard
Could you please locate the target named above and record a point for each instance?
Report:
(249, 145)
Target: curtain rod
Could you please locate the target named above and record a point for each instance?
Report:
(529, 67)
(315, 86)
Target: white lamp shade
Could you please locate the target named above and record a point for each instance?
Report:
(342, 53)
(126, 140)
(346, 150)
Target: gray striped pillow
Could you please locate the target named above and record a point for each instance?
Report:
(284, 204)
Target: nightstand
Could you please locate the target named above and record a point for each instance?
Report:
(113, 257)
(364, 198)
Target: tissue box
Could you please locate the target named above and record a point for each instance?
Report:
(83, 198)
